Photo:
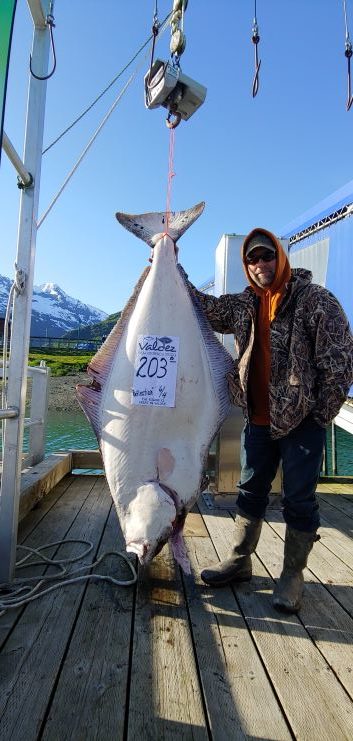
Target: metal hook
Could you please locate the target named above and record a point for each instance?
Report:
(173, 124)
(155, 31)
(348, 53)
(255, 84)
(51, 24)
(255, 38)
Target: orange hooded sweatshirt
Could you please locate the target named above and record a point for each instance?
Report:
(270, 300)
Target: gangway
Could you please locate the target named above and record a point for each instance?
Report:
(29, 170)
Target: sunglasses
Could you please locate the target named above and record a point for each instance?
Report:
(266, 256)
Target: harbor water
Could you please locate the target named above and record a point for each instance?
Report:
(67, 430)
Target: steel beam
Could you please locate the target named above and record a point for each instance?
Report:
(20, 328)
(16, 160)
(38, 12)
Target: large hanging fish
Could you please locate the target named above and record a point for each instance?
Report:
(158, 395)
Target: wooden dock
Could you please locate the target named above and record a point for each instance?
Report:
(170, 658)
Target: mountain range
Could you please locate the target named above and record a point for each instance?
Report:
(54, 313)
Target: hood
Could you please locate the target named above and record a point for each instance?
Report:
(283, 270)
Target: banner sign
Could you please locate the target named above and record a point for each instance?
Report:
(7, 16)
(155, 371)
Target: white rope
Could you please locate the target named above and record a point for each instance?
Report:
(10, 593)
(105, 119)
(69, 176)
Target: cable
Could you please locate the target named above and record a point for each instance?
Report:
(71, 173)
(105, 89)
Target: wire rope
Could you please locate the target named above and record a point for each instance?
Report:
(79, 118)
(84, 152)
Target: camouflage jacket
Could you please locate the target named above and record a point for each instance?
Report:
(311, 350)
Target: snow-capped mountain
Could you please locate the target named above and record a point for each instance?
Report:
(53, 312)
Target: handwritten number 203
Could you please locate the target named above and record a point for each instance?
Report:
(156, 367)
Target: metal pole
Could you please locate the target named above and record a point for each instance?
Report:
(20, 330)
(333, 449)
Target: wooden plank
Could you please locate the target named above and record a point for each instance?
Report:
(327, 567)
(314, 702)
(41, 479)
(53, 527)
(90, 698)
(195, 526)
(232, 674)
(33, 653)
(336, 532)
(28, 523)
(86, 459)
(325, 620)
(165, 697)
(343, 503)
(336, 487)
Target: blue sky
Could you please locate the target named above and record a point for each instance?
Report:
(256, 162)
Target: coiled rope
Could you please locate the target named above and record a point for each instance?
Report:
(22, 591)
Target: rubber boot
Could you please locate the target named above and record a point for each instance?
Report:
(287, 595)
(238, 567)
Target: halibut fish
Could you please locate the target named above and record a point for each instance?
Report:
(158, 395)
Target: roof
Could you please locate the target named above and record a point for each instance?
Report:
(341, 197)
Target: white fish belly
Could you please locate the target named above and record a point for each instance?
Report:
(132, 435)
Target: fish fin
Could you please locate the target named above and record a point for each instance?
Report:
(100, 366)
(90, 396)
(149, 226)
(165, 463)
(180, 552)
(89, 400)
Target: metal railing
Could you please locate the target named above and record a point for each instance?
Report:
(61, 343)
(331, 463)
(36, 422)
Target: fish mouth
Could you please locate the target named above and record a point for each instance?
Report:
(144, 551)
(139, 547)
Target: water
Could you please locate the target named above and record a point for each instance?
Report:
(72, 431)
(67, 430)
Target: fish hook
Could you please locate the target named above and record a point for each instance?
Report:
(255, 38)
(348, 53)
(50, 22)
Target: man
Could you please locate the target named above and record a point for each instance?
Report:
(293, 371)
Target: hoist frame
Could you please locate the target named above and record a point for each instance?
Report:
(30, 168)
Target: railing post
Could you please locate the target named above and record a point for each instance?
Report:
(39, 407)
(333, 449)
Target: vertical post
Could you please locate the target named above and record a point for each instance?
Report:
(333, 449)
(20, 331)
(39, 406)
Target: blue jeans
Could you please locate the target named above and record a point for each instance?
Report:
(301, 454)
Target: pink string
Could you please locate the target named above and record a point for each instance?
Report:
(171, 174)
